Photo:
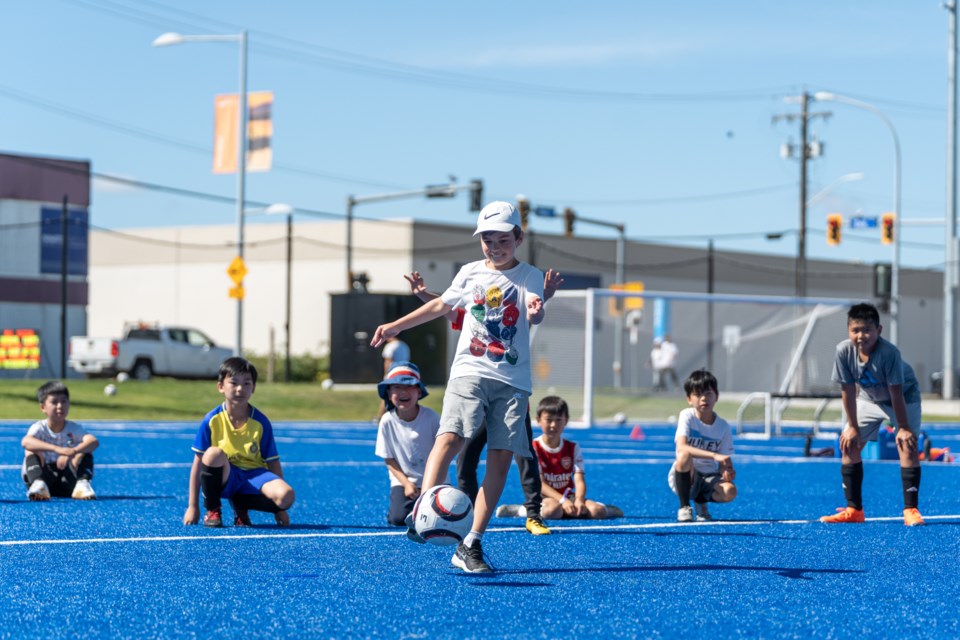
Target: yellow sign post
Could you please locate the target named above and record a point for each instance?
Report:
(616, 305)
(237, 270)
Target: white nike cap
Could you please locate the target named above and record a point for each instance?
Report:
(497, 216)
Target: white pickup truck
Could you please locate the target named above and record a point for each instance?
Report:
(149, 350)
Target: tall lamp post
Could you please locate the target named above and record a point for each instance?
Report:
(897, 223)
(168, 39)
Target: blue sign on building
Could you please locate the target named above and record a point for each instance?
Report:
(51, 241)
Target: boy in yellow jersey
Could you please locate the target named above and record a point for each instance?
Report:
(236, 456)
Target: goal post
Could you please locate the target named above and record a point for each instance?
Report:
(778, 344)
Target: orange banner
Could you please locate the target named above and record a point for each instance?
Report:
(259, 132)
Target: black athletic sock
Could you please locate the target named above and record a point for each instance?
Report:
(211, 483)
(683, 482)
(255, 502)
(85, 470)
(34, 468)
(910, 477)
(852, 475)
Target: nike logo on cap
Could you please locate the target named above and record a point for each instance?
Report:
(490, 215)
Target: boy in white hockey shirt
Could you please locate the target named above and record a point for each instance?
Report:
(703, 469)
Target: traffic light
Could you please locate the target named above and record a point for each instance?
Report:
(523, 205)
(834, 225)
(476, 195)
(568, 217)
(888, 223)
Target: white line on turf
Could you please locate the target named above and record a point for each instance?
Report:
(382, 534)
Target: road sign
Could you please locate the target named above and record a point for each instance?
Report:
(237, 270)
(863, 222)
(236, 292)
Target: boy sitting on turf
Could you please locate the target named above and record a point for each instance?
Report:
(490, 378)
(236, 456)
(58, 453)
(888, 389)
(561, 468)
(405, 436)
(703, 468)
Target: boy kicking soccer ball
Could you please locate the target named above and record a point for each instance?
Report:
(490, 378)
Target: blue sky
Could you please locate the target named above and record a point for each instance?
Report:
(657, 115)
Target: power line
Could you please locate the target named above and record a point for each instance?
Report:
(288, 48)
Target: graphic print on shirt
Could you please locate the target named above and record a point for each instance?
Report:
(867, 380)
(697, 441)
(496, 315)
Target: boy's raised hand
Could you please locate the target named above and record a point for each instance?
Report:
(383, 333)
(552, 281)
(534, 310)
(416, 282)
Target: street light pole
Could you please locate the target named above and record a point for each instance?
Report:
(435, 191)
(168, 39)
(897, 223)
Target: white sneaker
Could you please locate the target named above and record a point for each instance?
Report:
(511, 511)
(83, 491)
(38, 491)
(702, 512)
(685, 514)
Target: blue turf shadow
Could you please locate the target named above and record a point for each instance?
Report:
(794, 573)
(698, 533)
(100, 498)
(487, 583)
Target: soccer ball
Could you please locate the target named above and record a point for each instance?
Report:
(326, 384)
(123, 376)
(110, 390)
(443, 515)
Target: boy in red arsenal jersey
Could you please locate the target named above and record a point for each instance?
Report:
(561, 468)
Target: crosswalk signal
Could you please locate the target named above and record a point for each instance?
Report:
(568, 217)
(887, 225)
(834, 225)
(523, 206)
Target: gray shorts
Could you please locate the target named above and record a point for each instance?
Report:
(471, 400)
(701, 486)
(870, 417)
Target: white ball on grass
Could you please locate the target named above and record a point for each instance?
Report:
(620, 417)
(327, 384)
(122, 376)
(110, 390)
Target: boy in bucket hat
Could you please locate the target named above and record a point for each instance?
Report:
(490, 380)
(405, 436)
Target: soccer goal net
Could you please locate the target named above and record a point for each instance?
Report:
(594, 348)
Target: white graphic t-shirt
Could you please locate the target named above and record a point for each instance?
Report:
(716, 438)
(409, 443)
(70, 436)
(495, 340)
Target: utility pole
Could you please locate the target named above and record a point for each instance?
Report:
(950, 243)
(807, 150)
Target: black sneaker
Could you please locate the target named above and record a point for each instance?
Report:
(470, 559)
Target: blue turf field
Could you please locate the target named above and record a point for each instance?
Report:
(125, 566)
